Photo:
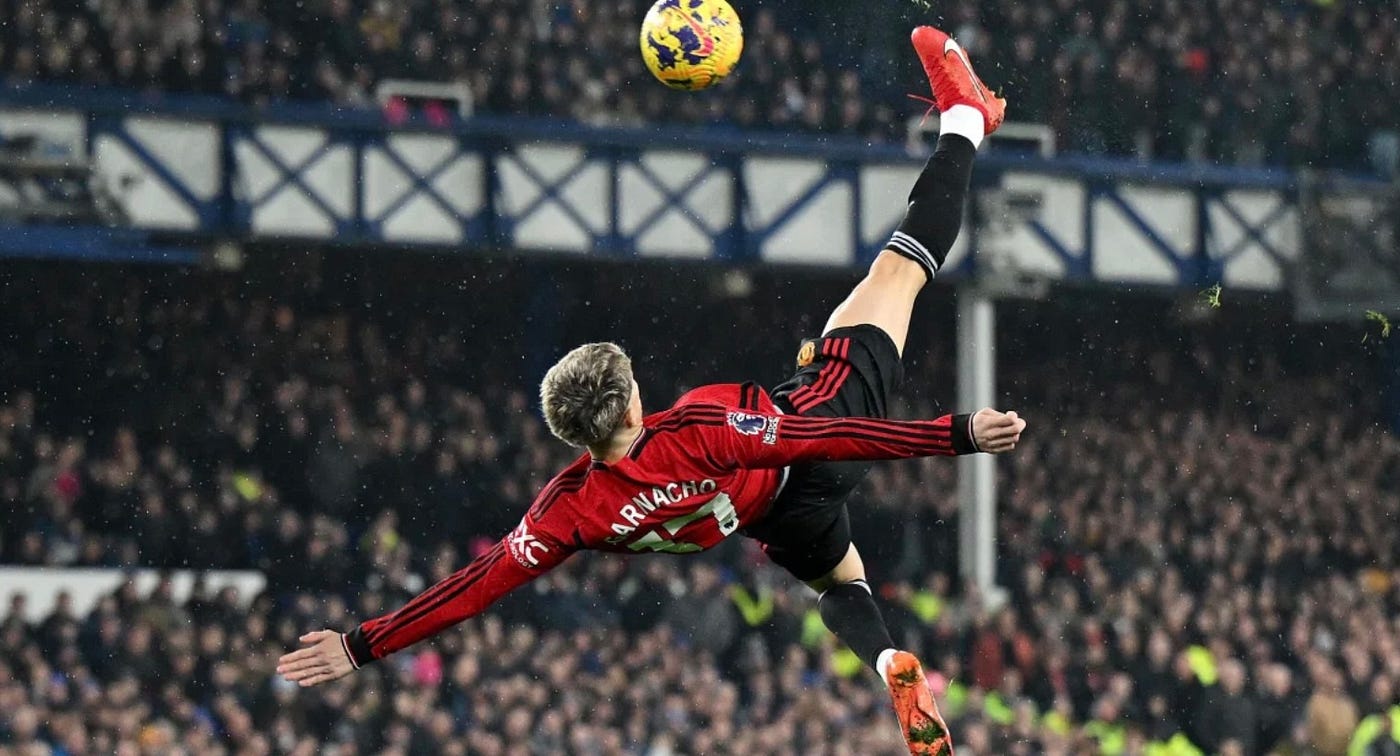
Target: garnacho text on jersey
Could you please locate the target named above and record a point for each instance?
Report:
(643, 503)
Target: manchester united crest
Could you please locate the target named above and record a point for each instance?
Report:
(806, 354)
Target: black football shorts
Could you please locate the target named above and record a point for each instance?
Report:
(849, 372)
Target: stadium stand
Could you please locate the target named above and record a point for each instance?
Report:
(1246, 82)
(1198, 539)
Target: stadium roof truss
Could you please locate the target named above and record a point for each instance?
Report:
(211, 170)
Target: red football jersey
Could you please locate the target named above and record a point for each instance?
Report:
(698, 472)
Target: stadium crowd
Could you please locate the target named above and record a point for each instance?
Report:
(1198, 540)
(1246, 81)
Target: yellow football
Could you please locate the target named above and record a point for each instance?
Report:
(691, 44)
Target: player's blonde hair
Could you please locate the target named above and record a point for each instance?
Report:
(586, 394)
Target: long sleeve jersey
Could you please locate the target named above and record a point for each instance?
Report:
(700, 471)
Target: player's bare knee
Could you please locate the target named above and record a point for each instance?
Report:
(849, 570)
(895, 268)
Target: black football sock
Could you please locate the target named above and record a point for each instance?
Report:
(850, 612)
(936, 202)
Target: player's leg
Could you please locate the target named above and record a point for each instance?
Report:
(808, 532)
(885, 297)
(867, 331)
(853, 370)
(848, 608)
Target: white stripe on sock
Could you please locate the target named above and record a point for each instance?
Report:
(910, 253)
(914, 251)
(858, 582)
(910, 248)
(917, 245)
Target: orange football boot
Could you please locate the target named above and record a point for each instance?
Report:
(952, 78)
(923, 727)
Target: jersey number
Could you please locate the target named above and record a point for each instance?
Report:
(720, 507)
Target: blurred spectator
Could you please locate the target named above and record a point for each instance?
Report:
(1332, 715)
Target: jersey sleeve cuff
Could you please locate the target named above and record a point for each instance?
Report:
(357, 648)
(963, 442)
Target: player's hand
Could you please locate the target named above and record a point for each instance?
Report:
(321, 660)
(996, 432)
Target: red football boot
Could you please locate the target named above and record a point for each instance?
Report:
(952, 78)
(922, 725)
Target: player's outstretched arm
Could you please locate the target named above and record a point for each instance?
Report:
(519, 558)
(780, 440)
